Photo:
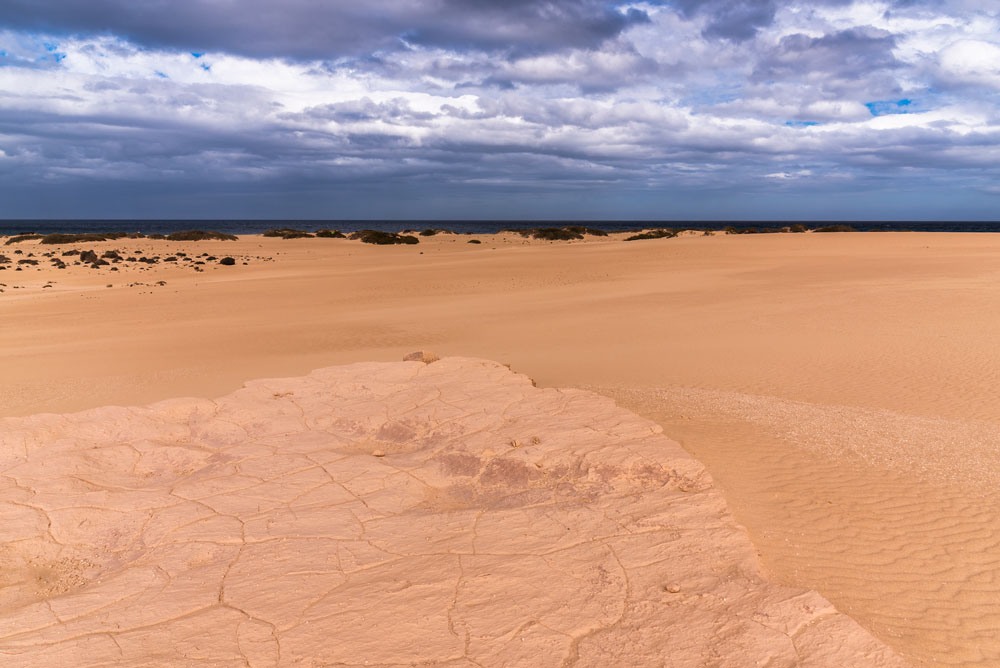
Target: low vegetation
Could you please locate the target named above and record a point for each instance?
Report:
(729, 229)
(198, 235)
(383, 238)
(330, 234)
(835, 228)
(591, 231)
(88, 237)
(287, 233)
(22, 237)
(660, 233)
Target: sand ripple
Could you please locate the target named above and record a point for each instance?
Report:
(894, 518)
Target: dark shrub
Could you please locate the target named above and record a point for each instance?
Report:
(228, 261)
(580, 229)
(555, 234)
(88, 237)
(835, 228)
(797, 228)
(662, 233)
(569, 233)
(383, 238)
(287, 233)
(752, 230)
(72, 238)
(429, 232)
(198, 235)
(157, 237)
(88, 256)
(474, 241)
(331, 234)
(22, 237)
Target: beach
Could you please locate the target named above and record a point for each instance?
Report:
(840, 389)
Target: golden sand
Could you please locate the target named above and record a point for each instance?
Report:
(841, 388)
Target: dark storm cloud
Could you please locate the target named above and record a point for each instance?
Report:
(320, 30)
(849, 53)
(731, 19)
(740, 20)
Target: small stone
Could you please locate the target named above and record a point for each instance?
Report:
(378, 453)
(672, 588)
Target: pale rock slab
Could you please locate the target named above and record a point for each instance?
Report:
(499, 525)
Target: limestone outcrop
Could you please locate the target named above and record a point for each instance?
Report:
(385, 514)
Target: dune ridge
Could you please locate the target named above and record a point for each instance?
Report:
(446, 514)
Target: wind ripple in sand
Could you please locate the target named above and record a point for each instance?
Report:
(385, 514)
(894, 518)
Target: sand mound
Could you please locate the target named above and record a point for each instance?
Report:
(385, 514)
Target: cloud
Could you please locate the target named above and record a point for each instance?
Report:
(460, 105)
(737, 20)
(839, 58)
(970, 62)
(305, 29)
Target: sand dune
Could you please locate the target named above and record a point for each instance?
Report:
(386, 514)
(841, 389)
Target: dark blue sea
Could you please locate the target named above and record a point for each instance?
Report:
(467, 226)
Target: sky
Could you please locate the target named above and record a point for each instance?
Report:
(500, 109)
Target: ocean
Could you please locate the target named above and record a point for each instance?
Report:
(9, 227)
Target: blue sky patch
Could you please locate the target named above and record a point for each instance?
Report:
(887, 107)
(801, 124)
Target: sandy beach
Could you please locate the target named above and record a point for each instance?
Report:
(840, 389)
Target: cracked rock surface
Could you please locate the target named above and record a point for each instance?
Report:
(385, 514)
